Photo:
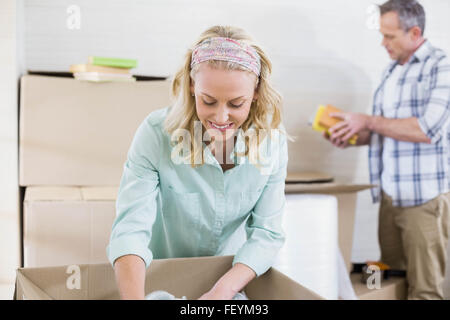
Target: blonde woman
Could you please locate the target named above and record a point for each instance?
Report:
(205, 168)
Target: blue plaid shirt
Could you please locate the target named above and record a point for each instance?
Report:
(420, 170)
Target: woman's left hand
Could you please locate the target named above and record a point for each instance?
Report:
(218, 293)
(230, 283)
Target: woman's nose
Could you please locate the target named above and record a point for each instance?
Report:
(222, 115)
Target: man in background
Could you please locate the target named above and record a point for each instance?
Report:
(408, 149)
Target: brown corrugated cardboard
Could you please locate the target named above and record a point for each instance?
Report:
(65, 225)
(190, 277)
(346, 198)
(394, 288)
(78, 133)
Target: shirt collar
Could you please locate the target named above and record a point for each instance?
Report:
(239, 148)
(237, 154)
(422, 52)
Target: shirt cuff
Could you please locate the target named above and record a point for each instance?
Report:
(130, 244)
(434, 136)
(258, 259)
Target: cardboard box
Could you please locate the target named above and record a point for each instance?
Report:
(394, 288)
(346, 196)
(78, 133)
(66, 225)
(190, 277)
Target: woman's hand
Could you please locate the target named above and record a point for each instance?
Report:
(217, 293)
(230, 283)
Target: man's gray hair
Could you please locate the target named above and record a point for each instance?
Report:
(410, 13)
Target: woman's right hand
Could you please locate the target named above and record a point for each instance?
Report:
(130, 277)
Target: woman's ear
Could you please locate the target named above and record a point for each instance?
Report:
(255, 95)
(192, 86)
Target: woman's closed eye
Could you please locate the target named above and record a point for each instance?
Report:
(236, 105)
(211, 103)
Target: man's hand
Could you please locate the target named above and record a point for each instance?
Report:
(337, 141)
(351, 124)
(405, 129)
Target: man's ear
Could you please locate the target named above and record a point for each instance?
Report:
(415, 32)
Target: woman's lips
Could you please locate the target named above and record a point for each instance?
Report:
(222, 128)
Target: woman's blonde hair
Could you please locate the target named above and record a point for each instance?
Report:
(265, 112)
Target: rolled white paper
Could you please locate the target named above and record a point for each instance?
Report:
(310, 253)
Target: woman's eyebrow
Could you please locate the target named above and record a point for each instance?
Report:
(216, 99)
(208, 95)
(237, 98)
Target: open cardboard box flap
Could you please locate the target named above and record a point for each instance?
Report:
(190, 277)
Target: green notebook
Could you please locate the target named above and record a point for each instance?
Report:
(113, 62)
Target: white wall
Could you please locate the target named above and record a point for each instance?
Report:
(9, 209)
(322, 52)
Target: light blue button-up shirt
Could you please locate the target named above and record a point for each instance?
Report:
(169, 210)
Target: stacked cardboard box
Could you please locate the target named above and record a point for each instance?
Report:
(75, 133)
(67, 225)
(74, 139)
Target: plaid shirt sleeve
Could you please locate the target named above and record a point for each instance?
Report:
(437, 111)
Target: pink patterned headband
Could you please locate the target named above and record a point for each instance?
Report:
(226, 49)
